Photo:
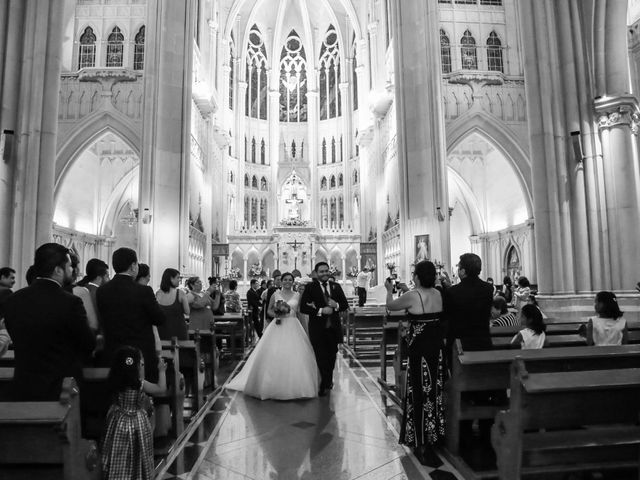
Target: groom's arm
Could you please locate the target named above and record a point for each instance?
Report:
(306, 303)
(343, 304)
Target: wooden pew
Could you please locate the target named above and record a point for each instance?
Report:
(47, 433)
(8, 359)
(366, 333)
(191, 365)
(393, 340)
(553, 329)
(489, 371)
(208, 352)
(568, 421)
(230, 327)
(551, 341)
(175, 390)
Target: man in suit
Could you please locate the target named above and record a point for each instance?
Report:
(127, 312)
(277, 284)
(254, 303)
(49, 329)
(467, 306)
(323, 301)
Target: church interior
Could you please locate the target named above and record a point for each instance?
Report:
(241, 139)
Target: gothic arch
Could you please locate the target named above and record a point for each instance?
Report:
(94, 126)
(502, 138)
(471, 202)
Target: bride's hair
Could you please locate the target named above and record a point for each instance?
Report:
(287, 274)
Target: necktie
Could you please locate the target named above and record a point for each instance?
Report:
(326, 291)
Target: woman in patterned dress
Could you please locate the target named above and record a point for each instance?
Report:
(127, 444)
(423, 412)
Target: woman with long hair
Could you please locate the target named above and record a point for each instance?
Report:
(175, 306)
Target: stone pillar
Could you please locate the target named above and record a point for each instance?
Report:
(274, 153)
(618, 116)
(244, 268)
(240, 102)
(421, 135)
(347, 135)
(313, 118)
(373, 54)
(166, 136)
(30, 48)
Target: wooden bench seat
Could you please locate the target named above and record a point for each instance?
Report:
(490, 371)
(47, 433)
(561, 421)
(208, 352)
(551, 341)
(191, 366)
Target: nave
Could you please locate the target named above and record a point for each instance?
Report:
(350, 434)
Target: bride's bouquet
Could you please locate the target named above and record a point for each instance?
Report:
(281, 308)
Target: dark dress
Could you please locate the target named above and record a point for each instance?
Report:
(175, 326)
(127, 446)
(423, 412)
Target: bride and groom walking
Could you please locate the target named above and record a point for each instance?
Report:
(286, 363)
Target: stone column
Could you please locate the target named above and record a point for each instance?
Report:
(617, 117)
(166, 135)
(421, 135)
(240, 102)
(274, 154)
(313, 118)
(30, 48)
(347, 135)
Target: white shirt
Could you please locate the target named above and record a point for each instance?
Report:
(531, 339)
(608, 331)
(363, 278)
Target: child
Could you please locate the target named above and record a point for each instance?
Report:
(533, 336)
(521, 295)
(609, 327)
(127, 445)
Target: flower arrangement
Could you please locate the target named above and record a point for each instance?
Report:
(293, 222)
(234, 273)
(281, 308)
(353, 273)
(333, 271)
(256, 270)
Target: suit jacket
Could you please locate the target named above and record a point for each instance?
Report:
(253, 300)
(313, 300)
(127, 312)
(51, 338)
(467, 311)
(270, 292)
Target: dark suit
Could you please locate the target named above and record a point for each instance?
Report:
(253, 301)
(467, 310)
(51, 338)
(325, 331)
(128, 311)
(270, 293)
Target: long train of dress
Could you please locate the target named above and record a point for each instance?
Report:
(282, 366)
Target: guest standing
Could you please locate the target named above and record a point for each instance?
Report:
(201, 304)
(7, 281)
(128, 310)
(423, 413)
(277, 284)
(49, 329)
(255, 303)
(362, 281)
(232, 298)
(173, 302)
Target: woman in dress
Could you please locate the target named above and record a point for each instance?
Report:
(201, 304)
(423, 413)
(283, 365)
(175, 306)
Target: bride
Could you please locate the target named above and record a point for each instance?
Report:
(283, 365)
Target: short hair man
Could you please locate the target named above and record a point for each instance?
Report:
(49, 328)
(362, 283)
(7, 281)
(127, 312)
(254, 302)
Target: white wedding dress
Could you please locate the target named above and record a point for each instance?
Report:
(283, 365)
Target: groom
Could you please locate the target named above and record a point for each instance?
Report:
(323, 301)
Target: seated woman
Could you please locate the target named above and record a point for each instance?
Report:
(232, 298)
(175, 306)
(500, 315)
(423, 410)
(201, 304)
(609, 327)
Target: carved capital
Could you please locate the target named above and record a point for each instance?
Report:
(618, 111)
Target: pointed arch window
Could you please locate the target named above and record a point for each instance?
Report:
(293, 80)
(254, 182)
(333, 150)
(341, 150)
(230, 143)
(340, 211)
(231, 178)
(293, 148)
(247, 217)
(332, 182)
(445, 52)
(253, 150)
(494, 53)
(87, 51)
(323, 183)
(115, 48)
(138, 50)
(354, 74)
(263, 154)
(246, 149)
(263, 184)
(256, 75)
(324, 151)
(340, 180)
(254, 212)
(246, 180)
(355, 177)
(468, 52)
(263, 213)
(329, 70)
(232, 65)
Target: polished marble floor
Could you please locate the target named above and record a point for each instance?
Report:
(346, 435)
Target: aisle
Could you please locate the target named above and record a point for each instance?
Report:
(342, 436)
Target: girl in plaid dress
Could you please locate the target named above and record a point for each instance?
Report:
(127, 445)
